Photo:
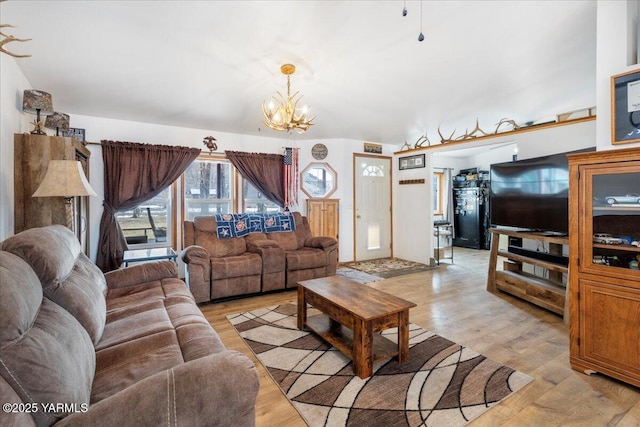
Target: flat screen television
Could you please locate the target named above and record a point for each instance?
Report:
(532, 194)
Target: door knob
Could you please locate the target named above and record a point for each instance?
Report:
(358, 216)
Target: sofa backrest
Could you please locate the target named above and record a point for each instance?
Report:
(205, 234)
(202, 231)
(67, 275)
(47, 355)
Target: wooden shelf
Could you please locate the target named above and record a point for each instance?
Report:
(537, 290)
(548, 293)
(532, 128)
(627, 248)
(540, 263)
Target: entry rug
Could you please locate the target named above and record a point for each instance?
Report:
(357, 275)
(389, 267)
(442, 384)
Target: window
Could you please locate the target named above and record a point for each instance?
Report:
(150, 222)
(318, 180)
(438, 179)
(254, 201)
(208, 188)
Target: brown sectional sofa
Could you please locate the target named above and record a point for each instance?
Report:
(256, 263)
(127, 348)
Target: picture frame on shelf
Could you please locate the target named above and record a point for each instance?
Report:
(372, 148)
(625, 108)
(412, 162)
(76, 133)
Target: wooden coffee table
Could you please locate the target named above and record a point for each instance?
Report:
(352, 314)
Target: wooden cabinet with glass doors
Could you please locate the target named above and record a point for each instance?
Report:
(604, 236)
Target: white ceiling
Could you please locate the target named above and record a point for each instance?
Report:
(210, 64)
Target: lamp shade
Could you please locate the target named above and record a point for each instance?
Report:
(64, 178)
(37, 101)
(57, 120)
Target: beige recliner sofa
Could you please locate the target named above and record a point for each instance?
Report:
(127, 348)
(218, 268)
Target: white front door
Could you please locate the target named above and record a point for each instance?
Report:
(372, 178)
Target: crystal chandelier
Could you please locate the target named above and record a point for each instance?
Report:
(283, 113)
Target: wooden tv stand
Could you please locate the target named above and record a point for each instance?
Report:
(549, 293)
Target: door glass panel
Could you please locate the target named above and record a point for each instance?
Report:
(372, 170)
(373, 241)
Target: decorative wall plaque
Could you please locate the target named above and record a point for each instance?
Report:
(319, 151)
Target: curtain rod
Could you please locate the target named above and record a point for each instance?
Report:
(202, 150)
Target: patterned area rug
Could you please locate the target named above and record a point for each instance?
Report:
(389, 267)
(358, 276)
(442, 384)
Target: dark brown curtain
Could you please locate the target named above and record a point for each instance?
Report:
(264, 171)
(134, 173)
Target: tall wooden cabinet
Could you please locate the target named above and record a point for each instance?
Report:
(604, 220)
(32, 154)
(323, 216)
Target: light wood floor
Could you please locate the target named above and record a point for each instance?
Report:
(453, 302)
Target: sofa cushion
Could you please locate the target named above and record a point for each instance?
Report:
(305, 258)
(47, 356)
(66, 274)
(207, 237)
(134, 322)
(248, 264)
(287, 241)
(122, 365)
(303, 230)
(145, 292)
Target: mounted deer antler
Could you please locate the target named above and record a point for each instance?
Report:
(405, 145)
(8, 39)
(507, 121)
(420, 142)
(442, 139)
(472, 134)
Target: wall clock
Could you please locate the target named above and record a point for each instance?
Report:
(319, 151)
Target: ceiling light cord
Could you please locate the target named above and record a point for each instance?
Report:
(421, 36)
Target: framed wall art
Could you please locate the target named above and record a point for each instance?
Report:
(74, 133)
(412, 162)
(372, 148)
(625, 108)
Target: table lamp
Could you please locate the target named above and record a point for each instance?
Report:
(65, 178)
(39, 103)
(57, 121)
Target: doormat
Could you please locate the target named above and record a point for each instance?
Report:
(442, 383)
(389, 267)
(357, 275)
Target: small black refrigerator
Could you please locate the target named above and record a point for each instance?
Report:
(470, 218)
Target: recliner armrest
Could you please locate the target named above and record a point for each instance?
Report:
(141, 273)
(321, 242)
(194, 253)
(217, 390)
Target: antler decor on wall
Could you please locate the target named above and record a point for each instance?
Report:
(476, 132)
(7, 38)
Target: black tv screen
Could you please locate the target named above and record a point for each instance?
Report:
(532, 193)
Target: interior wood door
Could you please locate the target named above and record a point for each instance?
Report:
(372, 210)
(323, 218)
